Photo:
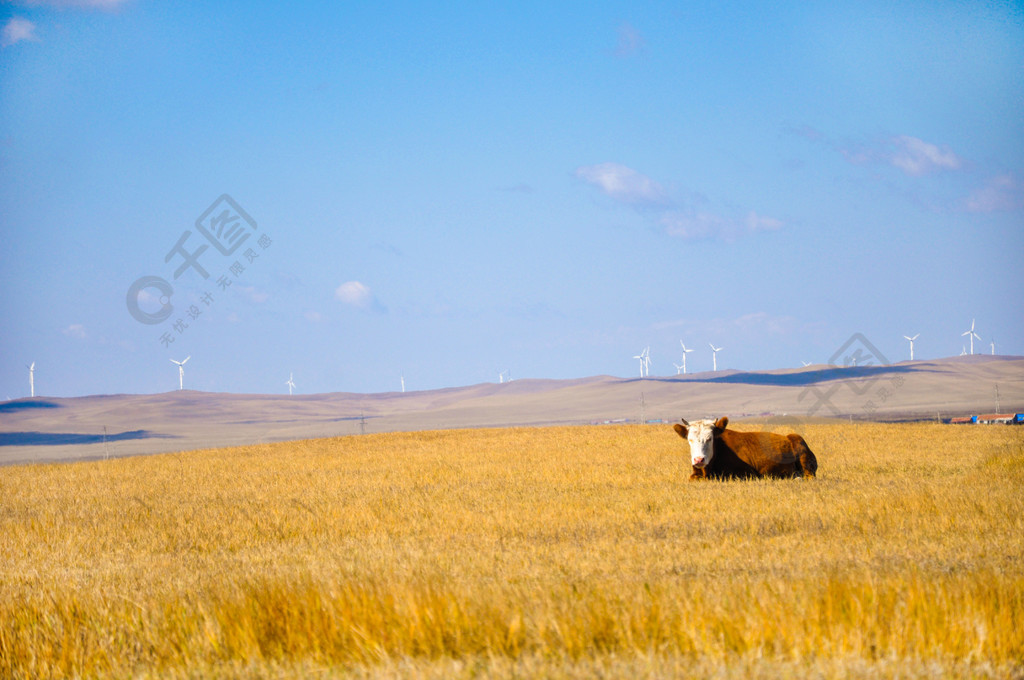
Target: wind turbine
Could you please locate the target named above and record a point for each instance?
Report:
(714, 356)
(684, 356)
(678, 367)
(963, 351)
(32, 379)
(181, 371)
(972, 335)
(403, 384)
(645, 361)
(805, 363)
(911, 339)
(993, 345)
(290, 383)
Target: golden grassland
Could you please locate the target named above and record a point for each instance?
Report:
(555, 552)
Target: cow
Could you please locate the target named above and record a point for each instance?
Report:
(718, 453)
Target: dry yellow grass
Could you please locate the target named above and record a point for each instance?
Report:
(558, 552)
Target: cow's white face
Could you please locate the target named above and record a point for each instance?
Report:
(701, 437)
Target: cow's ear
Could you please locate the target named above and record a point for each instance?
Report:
(720, 424)
(680, 430)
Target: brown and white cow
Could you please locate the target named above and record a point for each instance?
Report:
(716, 452)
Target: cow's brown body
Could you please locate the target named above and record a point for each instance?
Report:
(754, 454)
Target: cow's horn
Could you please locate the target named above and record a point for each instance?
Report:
(683, 421)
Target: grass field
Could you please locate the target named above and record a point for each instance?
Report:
(554, 552)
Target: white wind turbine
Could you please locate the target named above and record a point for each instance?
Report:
(32, 379)
(972, 335)
(679, 368)
(993, 346)
(685, 351)
(403, 384)
(290, 383)
(181, 371)
(805, 363)
(645, 361)
(714, 356)
(911, 339)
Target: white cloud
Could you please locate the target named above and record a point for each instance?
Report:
(623, 183)
(17, 30)
(686, 217)
(354, 293)
(757, 222)
(254, 294)
(699, 225)
(75, 330)
(704, 224)
(913, 156)
(148, 301)
(917, 157)
(1001, 193)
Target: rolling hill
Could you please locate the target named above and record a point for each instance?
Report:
(82, 428)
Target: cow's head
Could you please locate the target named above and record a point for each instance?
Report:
(701, 437)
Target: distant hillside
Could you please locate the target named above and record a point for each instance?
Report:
(44, 429)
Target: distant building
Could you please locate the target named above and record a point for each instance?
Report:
(997, 419)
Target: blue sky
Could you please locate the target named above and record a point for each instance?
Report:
(445, 193)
